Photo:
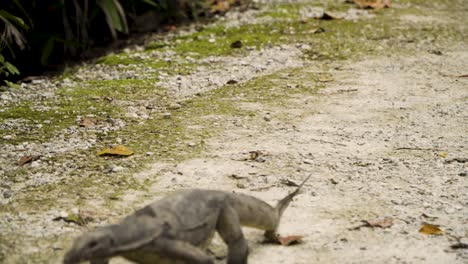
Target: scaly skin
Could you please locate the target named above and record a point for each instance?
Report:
(176, 228)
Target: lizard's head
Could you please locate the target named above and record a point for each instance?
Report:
(97, 244)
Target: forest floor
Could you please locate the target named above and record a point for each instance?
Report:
(373, 105)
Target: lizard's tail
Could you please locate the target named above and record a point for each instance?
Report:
(271, 235)
(283, 203)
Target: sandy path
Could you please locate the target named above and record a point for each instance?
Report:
(374, 141)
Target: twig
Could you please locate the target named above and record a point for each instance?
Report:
(416, 148)
(263, 188)
(453, 75)
(328, 142)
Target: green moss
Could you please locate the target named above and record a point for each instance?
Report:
(156, 45)
(282, 11)
(217, 40)
(118, 59)
(34, 124)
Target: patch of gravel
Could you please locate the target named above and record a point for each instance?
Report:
(45, 170)
(250, 17)
(239, 69)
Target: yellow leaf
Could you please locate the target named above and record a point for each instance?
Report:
(443, 154)
(429, 229)
(117, 150)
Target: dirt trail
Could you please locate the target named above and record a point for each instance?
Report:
(374, 142)
(384, 136)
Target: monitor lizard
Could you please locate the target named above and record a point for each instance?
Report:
(178, 227)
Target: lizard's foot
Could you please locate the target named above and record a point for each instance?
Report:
(271, 237)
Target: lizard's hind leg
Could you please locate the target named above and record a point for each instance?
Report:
(230, 230)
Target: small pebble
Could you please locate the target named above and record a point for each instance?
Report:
(7, 194)
(241, 185)
(115, 168)
(8, 137)
(174, 106)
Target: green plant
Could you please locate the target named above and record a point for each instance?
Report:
(38, 34)
(10, 36)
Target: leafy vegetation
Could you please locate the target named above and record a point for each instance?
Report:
(39, 35)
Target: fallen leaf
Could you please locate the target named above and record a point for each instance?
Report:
(81, 219)
(221, 7)
(170, 28)
(236, 44)
(26, 159)
(118, 150)
(325, 78)
(430, 229)
(290, 240)
(374, 4)
(88, 122)
(443, 154)
(385, 222)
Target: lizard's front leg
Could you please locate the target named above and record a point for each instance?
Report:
(179, 250)
(229, 228)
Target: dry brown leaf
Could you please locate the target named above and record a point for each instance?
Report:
(430, 229)
(88, 122)
(325, 78)
(170, 27)
(81, 219)
(290, 240)
(385, 222)
(221, 6)
(118, 150)
(374, 4)
(26, 159)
